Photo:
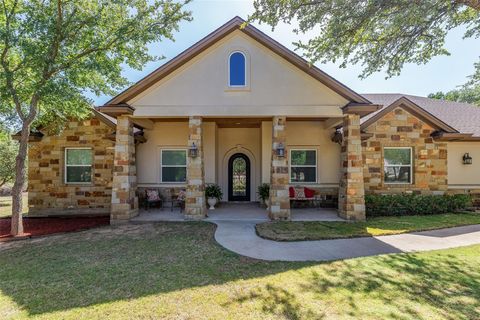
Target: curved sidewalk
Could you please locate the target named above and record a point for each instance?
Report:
(240, 237)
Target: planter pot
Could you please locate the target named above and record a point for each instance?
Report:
(212, 202)
(267, 203)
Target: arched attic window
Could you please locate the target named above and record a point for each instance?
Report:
(237, 66)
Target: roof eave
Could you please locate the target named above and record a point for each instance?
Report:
(452, 136)
(116, 110)
(360, 108)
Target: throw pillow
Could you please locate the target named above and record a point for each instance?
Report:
(299, 193)
(152, 195)
(291, 192)
(309, 193)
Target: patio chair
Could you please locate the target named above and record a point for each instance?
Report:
(177, 199)
(153, 199)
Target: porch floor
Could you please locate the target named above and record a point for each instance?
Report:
(238, 212)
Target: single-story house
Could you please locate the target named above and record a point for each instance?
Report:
(239, 109)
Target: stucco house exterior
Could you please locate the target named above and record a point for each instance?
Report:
(237, 97)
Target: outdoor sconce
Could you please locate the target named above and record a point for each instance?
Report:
(467, 159)
(280, 150)
(193, 151)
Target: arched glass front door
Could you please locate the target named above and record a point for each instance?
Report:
(239, 178)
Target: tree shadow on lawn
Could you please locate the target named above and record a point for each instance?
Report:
(121, 263)
(401, 286)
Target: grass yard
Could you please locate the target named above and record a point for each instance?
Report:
(317, 230)
(6, 205)
(177, 271)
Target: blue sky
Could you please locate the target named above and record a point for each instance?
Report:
(440, 74)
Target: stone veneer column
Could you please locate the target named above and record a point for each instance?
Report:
(351, 194)
(279, 208)
(124, 185)
(195, 206)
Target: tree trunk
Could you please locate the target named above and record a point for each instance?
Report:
(18, 186)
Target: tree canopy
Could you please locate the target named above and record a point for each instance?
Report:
(378, 34)
(8, 151)
(465, 94)
(53, 51)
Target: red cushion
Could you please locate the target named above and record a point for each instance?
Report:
(291, 192)
(309, 193)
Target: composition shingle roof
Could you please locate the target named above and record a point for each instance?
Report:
(463, 117)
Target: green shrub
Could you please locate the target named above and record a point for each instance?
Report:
(213, 191)
(264, 191)
(412, 204)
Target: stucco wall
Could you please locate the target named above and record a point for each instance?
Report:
(312, 135)
(266, 150)
(239, 140)
(458, 173)
(172, 135)
(399, 128)
(48, 193)
(274, 86)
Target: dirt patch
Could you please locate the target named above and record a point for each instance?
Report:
(44, 226)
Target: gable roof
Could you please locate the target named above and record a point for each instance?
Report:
(450, 116)
(236, 23)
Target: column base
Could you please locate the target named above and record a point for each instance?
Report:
(356, 214)
(276, 212)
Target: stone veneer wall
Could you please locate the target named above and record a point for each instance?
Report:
(47, 192)
(351, 200)
(279, 208)
(124, 184)
(195, 204)
(399, 128)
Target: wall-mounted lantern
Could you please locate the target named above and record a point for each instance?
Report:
(280, 151)
(193, 151)
(467, 159)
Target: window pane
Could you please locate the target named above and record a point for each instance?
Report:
(79, 156)
(237, 69)
(303, 157)
(79, 174)
(174, 174)
(397, 156)
(303, 174)
(174, 157)
(397, 174)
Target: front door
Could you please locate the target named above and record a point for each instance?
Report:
(239, 178)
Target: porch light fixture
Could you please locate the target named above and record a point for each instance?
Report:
(193, 151)
(280, 150)
(467, 159)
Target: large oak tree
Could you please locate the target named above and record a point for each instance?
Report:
(378, 34)
(52, 52)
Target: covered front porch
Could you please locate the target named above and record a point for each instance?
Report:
(234, 211)
(209, 145)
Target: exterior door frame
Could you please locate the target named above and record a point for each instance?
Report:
(231, 197)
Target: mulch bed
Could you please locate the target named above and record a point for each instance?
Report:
(42, 226)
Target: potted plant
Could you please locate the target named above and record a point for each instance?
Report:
(214, 194)
(264, 193)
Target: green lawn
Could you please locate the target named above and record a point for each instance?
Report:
(6, 205)
(316, 230)
(177, 271)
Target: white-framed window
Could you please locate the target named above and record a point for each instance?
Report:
(78, 165)
(173, 164)
(397, 165)
(303, 165)
(237, 69)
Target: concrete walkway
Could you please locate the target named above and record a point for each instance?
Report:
(240, 237)
(236, 232)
